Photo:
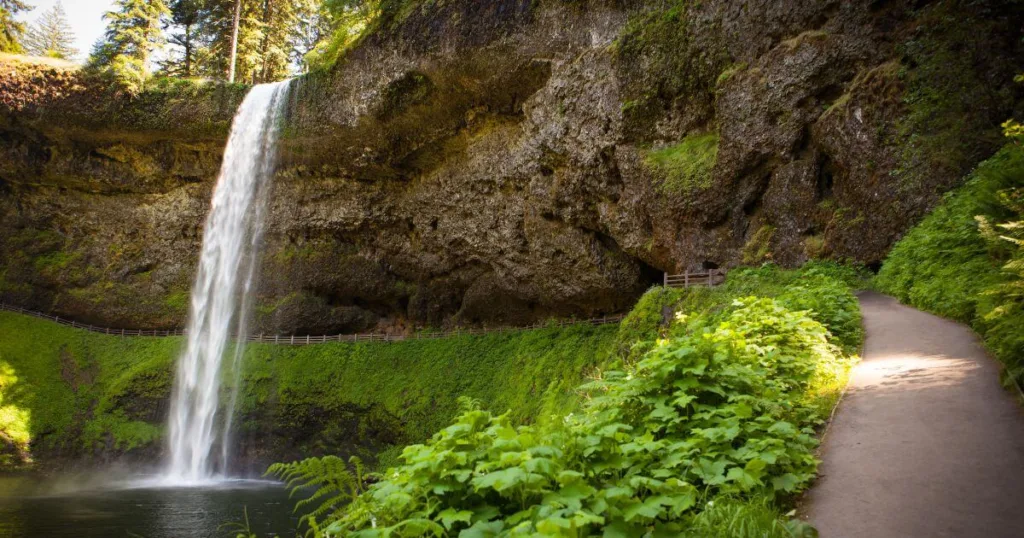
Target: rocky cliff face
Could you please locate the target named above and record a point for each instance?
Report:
(504, 161)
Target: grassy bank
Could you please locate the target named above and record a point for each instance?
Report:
(66, 391)
(69, 393)
(363, 398)
(960, 262)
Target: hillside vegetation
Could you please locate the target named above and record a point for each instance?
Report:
(965, 261)
(67, 393)
(70, 394)
(704, 425)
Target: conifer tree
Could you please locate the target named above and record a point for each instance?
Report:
(280, 19)
(51, 35)
(227, 41)
(133, 32)
(186, 19)
(10, 29)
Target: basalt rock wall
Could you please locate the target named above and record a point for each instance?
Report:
(505, 161)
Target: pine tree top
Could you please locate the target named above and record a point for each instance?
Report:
(51, 35)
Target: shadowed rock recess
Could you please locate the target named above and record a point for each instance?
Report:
(510, 160)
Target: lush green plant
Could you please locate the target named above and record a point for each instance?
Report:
(11, 29)
(76, 391)
(1003, 323)
(726, 405)
(350, 22)
(735, 518)
(332, 482)
(955, 264)
(411, 388)
(822, 288)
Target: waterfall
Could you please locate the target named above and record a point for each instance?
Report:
(223, 283)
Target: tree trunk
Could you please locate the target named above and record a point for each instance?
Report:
(268, 8)
(234, 41)
(188, 51)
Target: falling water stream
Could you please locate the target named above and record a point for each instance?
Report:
(192, 495)
(220, 295)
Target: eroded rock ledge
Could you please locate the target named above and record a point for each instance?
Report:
(504, 161)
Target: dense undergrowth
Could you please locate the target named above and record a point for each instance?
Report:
(965, 261)
(702, 425)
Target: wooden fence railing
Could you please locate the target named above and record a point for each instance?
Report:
(296, 340)
(86, 326)
(687, 279)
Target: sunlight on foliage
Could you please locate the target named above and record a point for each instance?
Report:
(332, 483)
(350, 26)
(15, 432)
(722, 408)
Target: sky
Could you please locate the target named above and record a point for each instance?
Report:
(85, 16)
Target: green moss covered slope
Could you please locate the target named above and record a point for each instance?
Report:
(69, 394)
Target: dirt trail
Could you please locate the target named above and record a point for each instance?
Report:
(926, 442)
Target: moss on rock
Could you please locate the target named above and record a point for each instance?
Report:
(686, 166)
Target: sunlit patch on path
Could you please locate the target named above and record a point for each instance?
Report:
(926, 442)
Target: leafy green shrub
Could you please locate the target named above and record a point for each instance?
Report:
(727, 408)
(821, 288)
(947, 266)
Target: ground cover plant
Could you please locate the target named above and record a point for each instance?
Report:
(704, 425)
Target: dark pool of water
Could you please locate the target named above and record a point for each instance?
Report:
(33, 508)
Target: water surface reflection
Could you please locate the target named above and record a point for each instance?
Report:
(33, 508)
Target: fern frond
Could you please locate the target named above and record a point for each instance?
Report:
(329, 479)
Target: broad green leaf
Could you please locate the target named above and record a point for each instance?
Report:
(450, 516)
(787, 482)
(483, 529)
